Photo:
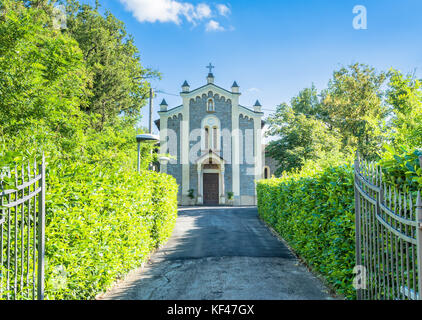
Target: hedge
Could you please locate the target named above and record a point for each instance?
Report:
(102, 223)
(314, 212)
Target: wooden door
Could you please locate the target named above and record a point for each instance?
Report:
(211, 188)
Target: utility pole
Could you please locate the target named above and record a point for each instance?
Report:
(151, 96)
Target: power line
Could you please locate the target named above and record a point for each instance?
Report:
(167, 93)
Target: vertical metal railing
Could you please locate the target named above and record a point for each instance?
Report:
(22, 228)
(388, 236)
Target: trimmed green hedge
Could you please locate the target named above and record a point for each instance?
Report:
(102, 223)
(314, 212)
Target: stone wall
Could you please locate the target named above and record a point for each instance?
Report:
(174, 167)
(223, 111)
(247, 153)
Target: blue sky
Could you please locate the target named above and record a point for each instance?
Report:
(273, 49)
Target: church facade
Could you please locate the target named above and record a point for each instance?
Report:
(216, 145)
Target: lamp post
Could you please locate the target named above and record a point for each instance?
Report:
(164, 160)
(145, 138)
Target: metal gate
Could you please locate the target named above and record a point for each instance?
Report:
(388, 237)
(22, 238)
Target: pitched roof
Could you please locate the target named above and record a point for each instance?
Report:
(185, 84)
(163, 103)
(257, 104)
(214, 85)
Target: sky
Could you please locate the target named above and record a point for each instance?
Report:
(272, 49)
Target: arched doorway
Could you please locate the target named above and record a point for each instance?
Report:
(211, 189)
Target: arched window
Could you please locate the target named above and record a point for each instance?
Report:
(210, 133)
(210, 105)
(266, 173)
(214, 138)
(207, 134)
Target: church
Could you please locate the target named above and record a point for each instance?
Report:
(216, 145)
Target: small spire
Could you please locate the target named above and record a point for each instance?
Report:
(257, 104)
(164, 103)
(185, 86)
(235, 85)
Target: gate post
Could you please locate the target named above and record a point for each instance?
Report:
(41, 232)
(419, 237)
(357, 223)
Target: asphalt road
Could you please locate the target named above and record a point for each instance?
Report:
(220, 254)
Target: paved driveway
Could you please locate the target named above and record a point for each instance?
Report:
(220, 254)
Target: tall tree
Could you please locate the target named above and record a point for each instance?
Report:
(42, 78)
(353, 103)
(118, 78)
(300, 135)
(404, 96)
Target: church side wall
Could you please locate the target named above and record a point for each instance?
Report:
(247, 164)
(174, 167)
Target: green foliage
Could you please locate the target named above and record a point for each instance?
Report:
(303, 137)
(79, 107)
(402, 168)
(313, 210)
(42, 78)
(118, 78)
(353, 103)
(101, 223)
(350, 114)
(404, 97)
(230, 195)
(190, 194)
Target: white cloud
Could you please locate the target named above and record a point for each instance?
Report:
(166, 10)
(254, 90)
(203, 11)
(213, 25)
(175, 11)
(223, 10)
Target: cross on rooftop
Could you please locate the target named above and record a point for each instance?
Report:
(210, 67)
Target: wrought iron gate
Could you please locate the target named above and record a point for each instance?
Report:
(22, 238)
(388, 237)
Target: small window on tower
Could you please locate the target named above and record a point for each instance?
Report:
(210, 106)
(206, 138)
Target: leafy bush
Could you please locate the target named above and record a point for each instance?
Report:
(101, 223)
(402, 168)
(313, 210)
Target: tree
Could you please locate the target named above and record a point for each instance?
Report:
(118, 78)
(353, 103)
(302, 137)
(42, 79)
(307, 102)
(404, 97)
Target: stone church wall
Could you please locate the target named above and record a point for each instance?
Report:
(174, 167)
(247, 167)
(223, 111)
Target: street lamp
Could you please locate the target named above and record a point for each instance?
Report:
(145, 138)
(164, 160)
